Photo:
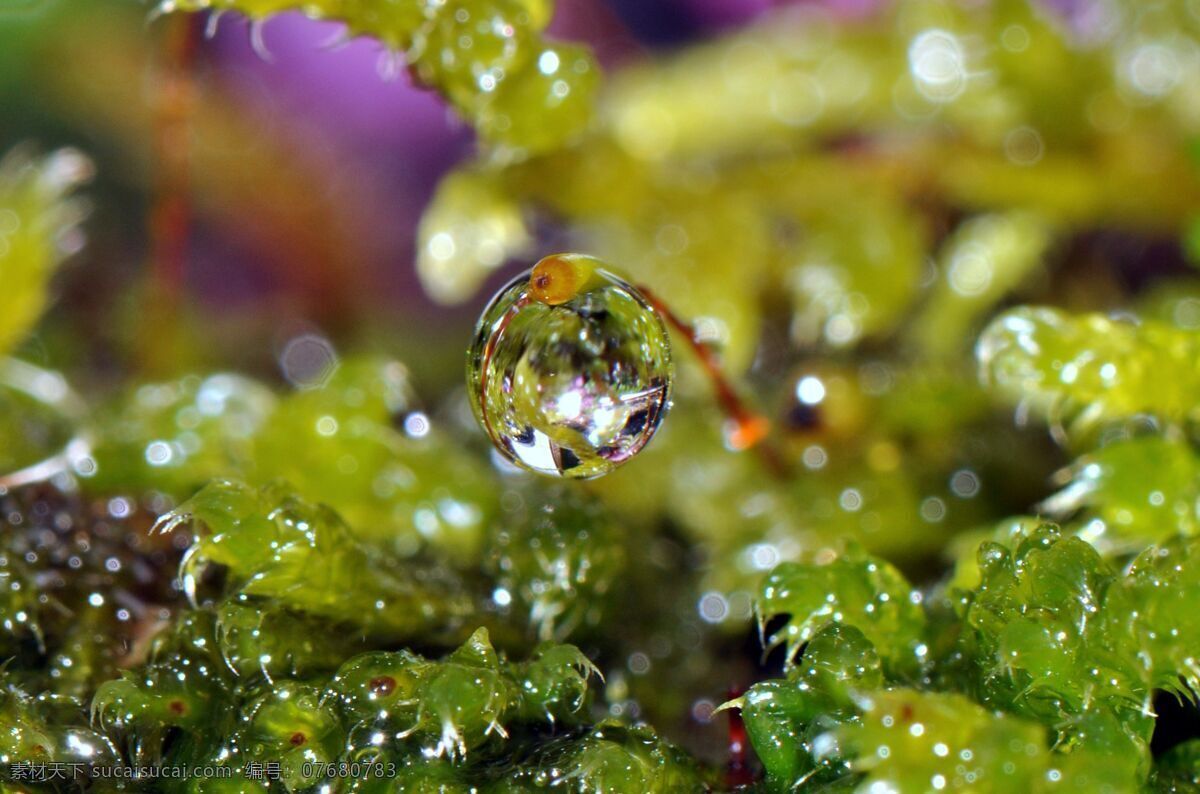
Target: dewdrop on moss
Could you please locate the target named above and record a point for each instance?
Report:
(569, 371)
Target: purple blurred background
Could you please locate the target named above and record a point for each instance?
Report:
(342, 97)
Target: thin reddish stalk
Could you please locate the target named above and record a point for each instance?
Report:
(749, 429)
(171, 210)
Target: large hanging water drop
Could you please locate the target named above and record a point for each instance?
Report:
(569, 371)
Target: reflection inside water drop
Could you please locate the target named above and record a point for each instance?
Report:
(573, 389)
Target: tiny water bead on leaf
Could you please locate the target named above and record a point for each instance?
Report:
(569, 372)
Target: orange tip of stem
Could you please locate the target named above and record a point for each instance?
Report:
(747, 432)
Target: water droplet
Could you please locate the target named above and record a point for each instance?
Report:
(570, 369)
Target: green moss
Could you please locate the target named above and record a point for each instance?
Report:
(1080, 372)
(336, 442)
(278, 548)
(343, 575)
(852, 590)
(788, 719)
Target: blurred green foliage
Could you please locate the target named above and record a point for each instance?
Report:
(907, 235)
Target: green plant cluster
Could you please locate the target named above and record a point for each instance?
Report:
(971, 552)
(1040, 677)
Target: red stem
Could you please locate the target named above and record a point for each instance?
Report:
(171, 211)
(737, 770)
(749, 428)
